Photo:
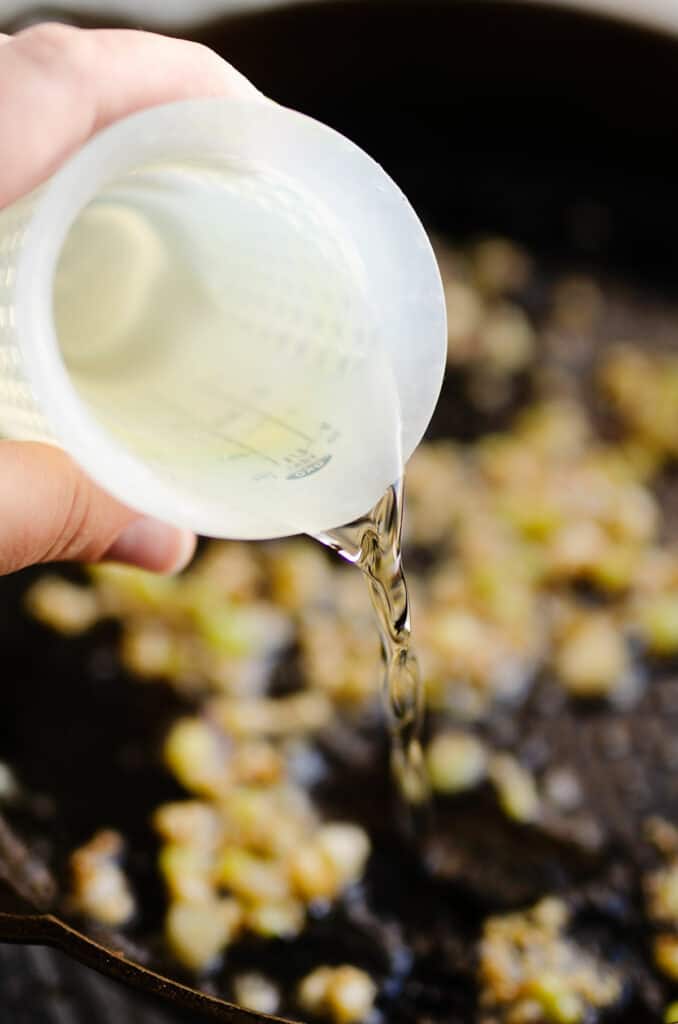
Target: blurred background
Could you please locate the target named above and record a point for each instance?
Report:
(167, 12)
(179, 12)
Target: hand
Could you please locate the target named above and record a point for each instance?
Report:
(59, 86)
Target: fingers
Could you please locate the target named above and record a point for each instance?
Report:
(50, 511)
(59, 84)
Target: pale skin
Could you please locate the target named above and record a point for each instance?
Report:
(58, 86)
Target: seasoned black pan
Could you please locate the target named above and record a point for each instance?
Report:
(552, 127)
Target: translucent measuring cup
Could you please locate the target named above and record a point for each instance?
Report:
(228, 314)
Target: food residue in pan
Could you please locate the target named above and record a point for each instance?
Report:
(543, 569)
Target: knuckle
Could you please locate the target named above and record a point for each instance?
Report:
(52, 46)
(70, 539)
(204, 53)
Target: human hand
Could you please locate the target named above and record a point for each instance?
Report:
(60, 85)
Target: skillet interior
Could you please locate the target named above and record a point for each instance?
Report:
(547, 126)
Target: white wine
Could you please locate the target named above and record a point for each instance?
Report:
(373, 543)
(238, 378)
(241, 380)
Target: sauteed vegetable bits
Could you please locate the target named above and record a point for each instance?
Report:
(544, 580)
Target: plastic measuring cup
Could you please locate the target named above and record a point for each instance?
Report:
(228, 314)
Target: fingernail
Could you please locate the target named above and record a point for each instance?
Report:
(150, 544)
(242, 88)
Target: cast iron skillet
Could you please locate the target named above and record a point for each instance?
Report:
(552, 127)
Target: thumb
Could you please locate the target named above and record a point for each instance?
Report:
(51, 511)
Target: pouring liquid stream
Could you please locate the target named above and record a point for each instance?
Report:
(373, 544)
(282, 422)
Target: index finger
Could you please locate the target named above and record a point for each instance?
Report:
(59, 85)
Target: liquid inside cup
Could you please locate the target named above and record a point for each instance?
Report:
(216, 322)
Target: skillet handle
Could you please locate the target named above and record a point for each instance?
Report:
(47, 930)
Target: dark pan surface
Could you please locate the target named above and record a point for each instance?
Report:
(483, 137)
